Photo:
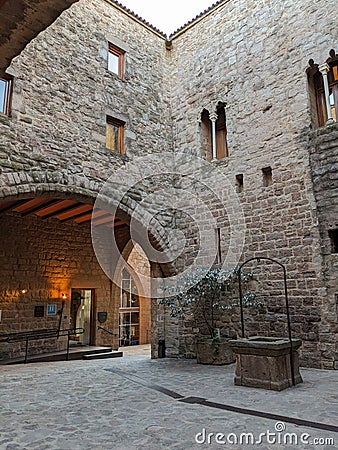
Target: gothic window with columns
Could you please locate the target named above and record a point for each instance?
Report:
(214, 134)
(323, 82)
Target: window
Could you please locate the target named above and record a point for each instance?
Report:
(214, 123)
(218, 246)
(115, 135)
(239, 182)
(267, 176)
(129, 328)
(333, 234)
(5, 92)
(317, 91)
(116, 60)
(206, 141)
(221, 133)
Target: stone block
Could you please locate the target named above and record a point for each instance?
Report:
(264, 362)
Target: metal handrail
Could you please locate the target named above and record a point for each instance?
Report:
(34, 335)
(107, 331)
(21, 336)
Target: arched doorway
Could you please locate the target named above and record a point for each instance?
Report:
(135, 301)
(47, 257)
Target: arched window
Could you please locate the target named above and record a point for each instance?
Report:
(129, 329)
(206, 141)
(221, 133)
(317, 89)
(220, 139)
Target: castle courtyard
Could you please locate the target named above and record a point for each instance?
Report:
(140, 403)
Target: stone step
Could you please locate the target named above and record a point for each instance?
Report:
(75, 352)
(112, 354)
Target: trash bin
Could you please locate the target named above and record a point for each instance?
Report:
(161, 348)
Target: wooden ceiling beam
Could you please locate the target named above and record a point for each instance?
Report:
(91, 216)
(117, 223)
(104, 219)
(40, 207)
(77, 215)
(13, 204)
(61, 211)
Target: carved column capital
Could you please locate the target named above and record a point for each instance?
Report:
(324, 68)
(213, 117)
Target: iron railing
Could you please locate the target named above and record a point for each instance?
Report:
(34, 335)
(107, 331)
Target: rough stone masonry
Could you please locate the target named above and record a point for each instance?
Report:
(250, 57)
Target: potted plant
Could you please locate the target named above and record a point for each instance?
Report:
(206, 294)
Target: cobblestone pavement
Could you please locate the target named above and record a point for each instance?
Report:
(82, 405)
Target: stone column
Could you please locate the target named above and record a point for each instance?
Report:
(324, 69)
(213, 117)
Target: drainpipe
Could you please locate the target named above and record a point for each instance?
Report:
(213, 118)
(324, 69)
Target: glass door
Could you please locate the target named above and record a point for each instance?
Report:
(81, 314)
(129, 328)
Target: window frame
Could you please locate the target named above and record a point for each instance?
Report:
(222, 150)
(127, 313)
(116, 51)
(316, 84)
(120, 139)
(7, 95)
(333, 235)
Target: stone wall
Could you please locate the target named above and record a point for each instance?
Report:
(46, 258)
(63, 92)
(53, 143)
(252, 57)
(324, 156)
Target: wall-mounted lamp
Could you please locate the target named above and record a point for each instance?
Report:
(23, 291)
(64, 296)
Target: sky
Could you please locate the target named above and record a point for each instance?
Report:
(167, 16)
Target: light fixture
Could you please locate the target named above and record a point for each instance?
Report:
(23, 291)
(64, 296)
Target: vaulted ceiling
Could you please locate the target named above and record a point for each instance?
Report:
(21, 21)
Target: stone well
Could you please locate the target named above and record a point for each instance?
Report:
(264, 362)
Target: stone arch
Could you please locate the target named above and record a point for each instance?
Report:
(21, 185)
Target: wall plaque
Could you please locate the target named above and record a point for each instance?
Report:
(102, 316)
(39, 311)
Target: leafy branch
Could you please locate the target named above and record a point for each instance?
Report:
(202, 292)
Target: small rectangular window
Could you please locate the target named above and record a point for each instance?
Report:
(5, 93)
(267, 176)
(116, 60)
(333, 234)
(115, 135)
(239, 182)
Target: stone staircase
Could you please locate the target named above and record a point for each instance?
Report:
(81, 352)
